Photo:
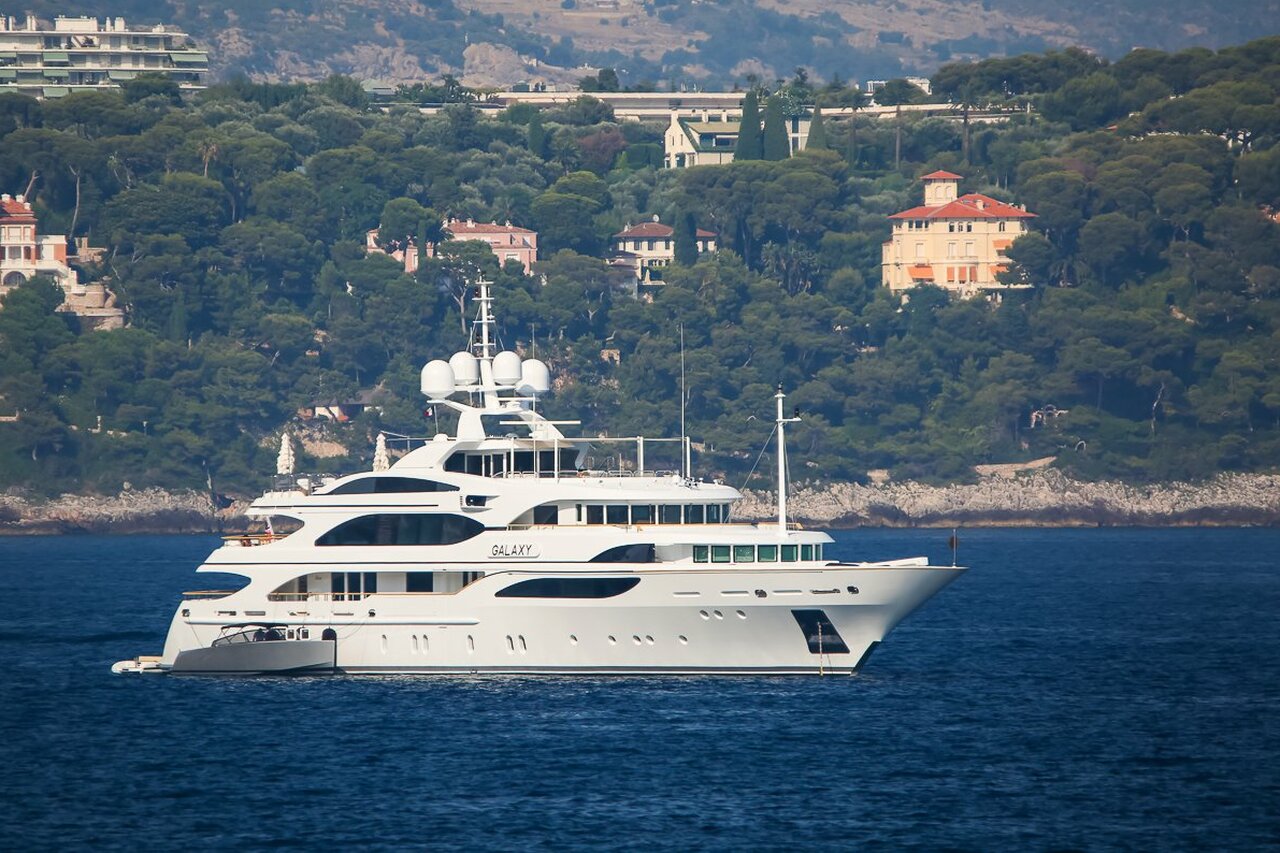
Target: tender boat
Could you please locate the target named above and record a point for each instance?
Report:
(502, 548)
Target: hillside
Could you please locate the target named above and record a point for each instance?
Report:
(689, 41)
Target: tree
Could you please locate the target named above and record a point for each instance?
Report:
(686, 240)
(749, 144)
(775, 143)
(536, 136)
(817, 132)
(899, 91)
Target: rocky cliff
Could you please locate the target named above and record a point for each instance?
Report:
(1043, 499)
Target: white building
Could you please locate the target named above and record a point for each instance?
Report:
(648, 247)
(710, 140)
(84, 54)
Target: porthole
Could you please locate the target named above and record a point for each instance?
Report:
(704, 614)
(853, 590)
(635, 638)
(304, 633)
(524, 647)
(471, 643)
(741, 614)
(613, 641)
(511, 645)
(684, 641)
(648, 639)
(718, 614)
(573, 640)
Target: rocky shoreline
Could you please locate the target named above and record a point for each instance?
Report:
(1041, 499)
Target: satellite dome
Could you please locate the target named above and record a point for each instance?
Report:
(437, 379)
(535, 378)
(466, 371)
(506, 368)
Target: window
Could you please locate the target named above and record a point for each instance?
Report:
(713, 513)
(968, 226)
(669, 514)
(595, 514)
(951, 250)
(919, 250)
(642, 513)
(951, 226)
(767, 553)
(720, 553)
(744, 553)
(701, 553)
(419, 581)
(724, 512)
(545, 514)
(1000, 225)
(817, 552)
(568, 588)
(790, 553)
(806, 553)
(693, 514)
(616, 513)
(641, 553)
(390, 486)
(402, 529)
(968, 249)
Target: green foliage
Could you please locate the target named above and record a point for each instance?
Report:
(749, 144)
(817, 133)
(235, 225)
(774, 143)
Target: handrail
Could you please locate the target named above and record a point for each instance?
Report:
(209, 593)
(249, 540)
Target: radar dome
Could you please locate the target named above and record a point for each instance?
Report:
(535, 378)
(437, 379)
(465, 368)
(506, 368)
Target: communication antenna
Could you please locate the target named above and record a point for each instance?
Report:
(782, 461)
(684, 435)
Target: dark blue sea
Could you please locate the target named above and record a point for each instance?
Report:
(1078, 689)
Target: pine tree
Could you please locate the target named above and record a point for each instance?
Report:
(686, 247)
(817, 132)
(748, 147)
(774, 142)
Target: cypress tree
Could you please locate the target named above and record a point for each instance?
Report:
(537, 135)
(686, 247)
(748, 147)
(817, 132)
(774, 143)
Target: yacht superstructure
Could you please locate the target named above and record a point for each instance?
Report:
(500, 549)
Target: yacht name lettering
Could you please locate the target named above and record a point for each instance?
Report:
(527, 550)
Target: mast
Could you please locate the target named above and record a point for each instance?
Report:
(485, 345)
(782, 462)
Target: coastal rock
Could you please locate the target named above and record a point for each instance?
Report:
(131, 511)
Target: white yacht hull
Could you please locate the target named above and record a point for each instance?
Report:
(673, 622)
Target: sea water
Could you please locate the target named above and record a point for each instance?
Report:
(1086, 689)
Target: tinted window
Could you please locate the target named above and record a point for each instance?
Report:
(669, 514)
(700, 553)
(402, 529)
(806, 552)
(419, 582)
(595, 514)
(626, 554)
(713, 513)
(389, 486)
(642, 514)
(568, 588)
(821, 636)
(767, 553)
(720, 553)
(616, 514)
(790, 553)
(545, 514)
(744, 553)
(693, 514)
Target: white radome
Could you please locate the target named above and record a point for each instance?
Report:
(501, 549)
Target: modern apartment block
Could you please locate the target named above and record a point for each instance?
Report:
(955, 242)
(85, 54)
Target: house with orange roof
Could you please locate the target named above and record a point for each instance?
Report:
(956, 242)
(647, 247)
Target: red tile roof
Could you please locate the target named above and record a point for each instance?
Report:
(942, 176)
(657, 230)
(458, 226)
(10, 207)
(971, 206)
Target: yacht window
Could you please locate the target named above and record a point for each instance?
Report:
(457, 463)
(641, 553)
(642, 513)
(744, 553)
(545, 514)
(328, 634)
(700, 553)
(523, 463)
(720, 553)
(595, 514)
(419, 581)
(693, 514)
(767, 553)
(616, 513)
(402, 529)
(669, 514)
(547, 462)
(579, 516)
(304, 633)
(817, 551)
(724, 513)
(806, 553)
(713, 513)
(475, 464)
(790, 553)
(568, 588)
(390, 486)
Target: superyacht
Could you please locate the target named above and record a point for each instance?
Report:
(503, 549)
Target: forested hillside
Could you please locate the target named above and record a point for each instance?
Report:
(235, 227)
(681, 42)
